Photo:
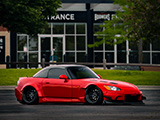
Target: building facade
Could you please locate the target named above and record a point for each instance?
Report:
(69, 33)
(4, 45)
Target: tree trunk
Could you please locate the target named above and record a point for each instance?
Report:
(140, 49)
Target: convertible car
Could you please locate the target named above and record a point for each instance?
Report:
(73, 83)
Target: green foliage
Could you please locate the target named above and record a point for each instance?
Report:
(138, 19)
(11, 76)
(27, 16)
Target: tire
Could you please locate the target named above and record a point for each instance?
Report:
(94, 96)
(30, 95)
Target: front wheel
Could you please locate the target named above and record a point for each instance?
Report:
(30, 95)
(94, 95)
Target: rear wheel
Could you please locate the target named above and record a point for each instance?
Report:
(94, 95)
(30, 95)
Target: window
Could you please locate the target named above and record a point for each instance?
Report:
(75, 42)
(156, 58)
(156, 45)
(41, 74)
(133, 53)
(81, 43)
(27, 50)
(33, 43)
(70, 28)
(81, 72)
(22, 43)
(80, 28)
(70, 44)
(56, 72)
(58, 28)
(33, 57)
(121, 53)
(103, 51)
(47, 29)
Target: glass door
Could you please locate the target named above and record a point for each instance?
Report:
(45, 48)
(57, 49)
(51, 48)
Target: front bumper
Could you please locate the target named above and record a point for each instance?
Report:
(18, 94)
(123, 97)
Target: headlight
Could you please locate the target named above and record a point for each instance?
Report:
(113, 88)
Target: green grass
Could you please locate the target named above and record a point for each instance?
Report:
(135, 77)
(11, 76)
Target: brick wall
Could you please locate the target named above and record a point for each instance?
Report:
(3, 29)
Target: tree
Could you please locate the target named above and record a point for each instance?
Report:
(139, 20)
(27, 16)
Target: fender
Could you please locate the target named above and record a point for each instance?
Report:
(90, 84)
(37, 87)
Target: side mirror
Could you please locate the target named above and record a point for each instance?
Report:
(64, 77)
(99, 76)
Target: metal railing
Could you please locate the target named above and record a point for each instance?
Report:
(104, 65)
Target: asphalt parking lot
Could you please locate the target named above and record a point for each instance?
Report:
(10, 109)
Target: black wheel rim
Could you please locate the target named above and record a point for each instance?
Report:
(30, 95)
(92, 95)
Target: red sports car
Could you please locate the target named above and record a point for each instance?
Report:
(73, 83)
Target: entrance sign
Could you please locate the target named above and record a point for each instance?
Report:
(63, 17)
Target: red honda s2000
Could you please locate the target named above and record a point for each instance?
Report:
(73, 83)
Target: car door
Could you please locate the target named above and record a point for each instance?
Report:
(55, 87)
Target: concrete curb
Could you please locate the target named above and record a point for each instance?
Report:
(141, 87)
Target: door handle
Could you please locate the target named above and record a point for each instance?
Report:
(47, 82)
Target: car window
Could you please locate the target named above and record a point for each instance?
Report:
(81, 72)
(42, 74)
(56, 72)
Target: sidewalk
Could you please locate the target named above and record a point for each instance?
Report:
(141, 87)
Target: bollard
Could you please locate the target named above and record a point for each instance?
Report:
(43, 62)
(7, 61)
(104, 64)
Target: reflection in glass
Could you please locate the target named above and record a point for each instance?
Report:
(58, 28)
(33, 43)
(146, 58)
(155, 45)
(133, 46)
(97, 28)
(33, 57)
(70, 43)
(57, 46)
(109, 57)
(109, 47)
(45, 44)
(22, 57)
(80, 42)
(70, 57)
(22, 43)
(121, 53)
(81, 57)
(47, 29)
(146, 45)
(70, 29)
(45, 48)
(100, 47)
(98, 57)
(133, 57)
(156, 58)
(80, 29)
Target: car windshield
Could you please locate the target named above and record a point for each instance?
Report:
(81, 72)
